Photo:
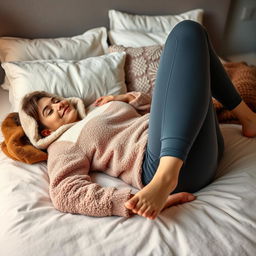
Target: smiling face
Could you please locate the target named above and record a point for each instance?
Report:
(54, 113)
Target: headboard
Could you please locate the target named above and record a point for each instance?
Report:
(59, 18)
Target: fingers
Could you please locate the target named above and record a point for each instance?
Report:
(103, 100)
(97, 101)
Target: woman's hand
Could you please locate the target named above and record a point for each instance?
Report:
(105, 99)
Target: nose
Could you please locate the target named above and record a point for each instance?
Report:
(60, 105)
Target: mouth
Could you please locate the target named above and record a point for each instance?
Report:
(65, 110)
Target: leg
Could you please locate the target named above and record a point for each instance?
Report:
(180, 112)
(247, 118)
(219, 77)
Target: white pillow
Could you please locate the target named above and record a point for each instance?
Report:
(91, 43)
(88, 78)
(128, 38)
(141, 30)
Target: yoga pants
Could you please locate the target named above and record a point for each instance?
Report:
(183, 121)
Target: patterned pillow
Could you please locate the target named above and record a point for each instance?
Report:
(140, 66)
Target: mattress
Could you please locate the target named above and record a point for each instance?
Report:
(221, 221)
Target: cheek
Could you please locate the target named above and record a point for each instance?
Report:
(73, 115)
(76, 116)
(56, 120)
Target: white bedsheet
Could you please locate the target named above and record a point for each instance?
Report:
(221, 221)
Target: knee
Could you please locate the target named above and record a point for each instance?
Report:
(189, 27)
(188, 30)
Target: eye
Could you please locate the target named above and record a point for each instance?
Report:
(49, 112)
(55, 100)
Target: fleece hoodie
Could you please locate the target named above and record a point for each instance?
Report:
(111, 139)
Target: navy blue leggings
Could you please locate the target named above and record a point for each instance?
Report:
(183, 121)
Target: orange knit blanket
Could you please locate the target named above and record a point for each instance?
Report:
(243, 77)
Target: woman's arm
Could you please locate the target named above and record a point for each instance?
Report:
(121, 97)
(73, 191)
(139, 100)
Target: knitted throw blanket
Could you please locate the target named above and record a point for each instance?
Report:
(243, 77)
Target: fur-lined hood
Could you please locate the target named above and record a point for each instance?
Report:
(30, 125)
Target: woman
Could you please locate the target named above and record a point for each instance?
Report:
(179, 151)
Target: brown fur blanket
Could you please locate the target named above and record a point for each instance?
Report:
(16, 144)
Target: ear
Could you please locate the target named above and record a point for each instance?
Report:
(45, 132)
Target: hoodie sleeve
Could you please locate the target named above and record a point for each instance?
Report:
(72, 190)
(141, 102)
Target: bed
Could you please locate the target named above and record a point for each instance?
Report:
(221, 221)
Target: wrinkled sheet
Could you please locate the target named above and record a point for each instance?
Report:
(221, 221)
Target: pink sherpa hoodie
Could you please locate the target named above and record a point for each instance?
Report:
(112, 139)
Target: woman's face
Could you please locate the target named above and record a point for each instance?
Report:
(54, 113)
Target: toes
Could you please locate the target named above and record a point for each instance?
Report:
(130, 204)
(148, 212)
(137, 206)
(153, 215)
(142, 210)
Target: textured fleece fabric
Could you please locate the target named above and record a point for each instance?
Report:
(112, 139)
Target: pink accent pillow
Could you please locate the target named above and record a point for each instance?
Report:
(140, 66)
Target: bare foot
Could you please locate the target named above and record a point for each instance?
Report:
(249, 127)
(150, 209)
(179, 198)
(247, 118)
(149, 201)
